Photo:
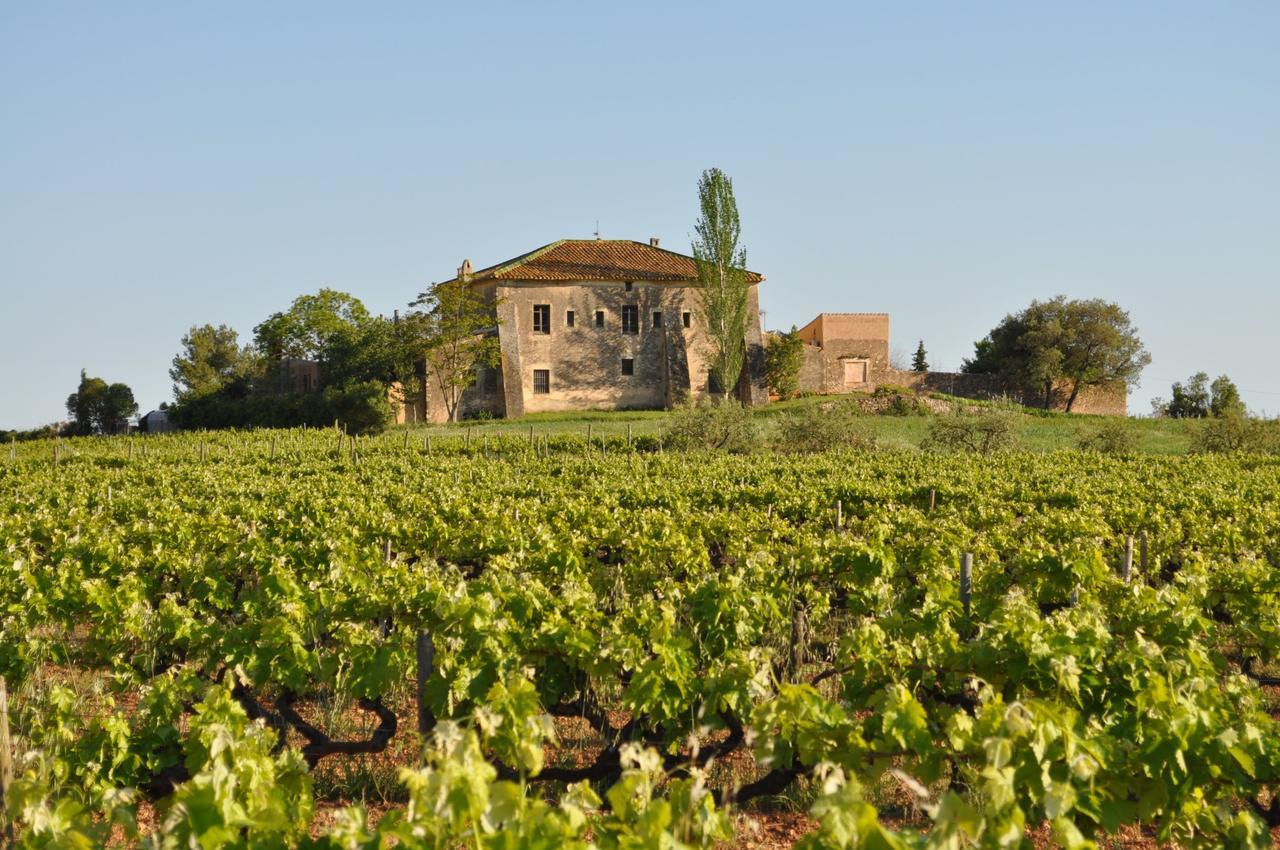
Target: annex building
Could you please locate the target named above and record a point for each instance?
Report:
(595, 324)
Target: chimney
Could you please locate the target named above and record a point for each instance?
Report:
(653, 241)
(465, 269)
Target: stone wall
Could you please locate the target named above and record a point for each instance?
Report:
(1110, 399)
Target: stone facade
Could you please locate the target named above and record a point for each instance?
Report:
(844, 352)
(596, 325)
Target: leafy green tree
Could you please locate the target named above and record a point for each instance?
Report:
(380, 349)
(1190, 400)
(920, 360)
(97, 407)
(456, 329)
(313, 326)
(783, 357)
(212, 360)
(1224, 398)
(722, 287)
(1076, 343)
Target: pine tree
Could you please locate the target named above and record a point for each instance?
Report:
(920, 362)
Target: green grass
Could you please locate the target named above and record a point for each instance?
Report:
(1039, 432)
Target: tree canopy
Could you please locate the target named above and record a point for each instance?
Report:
(97, 407)
(723, 290)
(1197, 398)
(212, 360)
(920, 360)
(454, 327)
(1062, 343)
(783, 358)
(313, 326)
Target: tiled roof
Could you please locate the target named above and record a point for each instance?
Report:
(597, 259)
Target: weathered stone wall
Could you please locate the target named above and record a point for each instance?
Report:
(585, 361)
(834, 338)
(1110, 399)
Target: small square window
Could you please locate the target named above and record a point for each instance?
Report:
(542, 318)
(628, 286)
(630, 319)
(628, 366)
(685, 318)
(568, 319)
(657, 318)
(542, 381)
(599, 318)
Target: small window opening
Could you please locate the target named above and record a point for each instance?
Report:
(657, 318)
(568, 318)
(628, 366)
(599, 318)
(542, 318)
(685, 318)
(542, 381)
(628, 286)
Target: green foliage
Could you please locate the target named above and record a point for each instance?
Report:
(97, 407)
(663, 589)
(456, 329)
(902, 401)
(1112, 437)
(212, 361)
(783, 358)
(982, 433)
(823, 427)
(1190, 400)
(362, 407)
(712, 425)
(1235, 432)
(920, 360)
(1082, 343)
(724, 308)
(1224, 398)
(312, 327)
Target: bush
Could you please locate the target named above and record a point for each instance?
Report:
(1235, 432)
(978, 433)
(723, 425)
(823, 427)
(783, 359)
(361, 406)
(1115, 437)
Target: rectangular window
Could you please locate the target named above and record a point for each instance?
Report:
(628, 366)
(686, 318)
(568, 318)
(542, 318)
(630, 319)
(657, 318)
(628, 287)
(599, 318)
(542, 381)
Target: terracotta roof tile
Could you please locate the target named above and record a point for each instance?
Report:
(597, 259)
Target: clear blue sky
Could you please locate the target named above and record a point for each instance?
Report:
(169, 164)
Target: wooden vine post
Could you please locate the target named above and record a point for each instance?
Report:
(933, 499)
(1127, 566)
(966, 582)
(6, 765)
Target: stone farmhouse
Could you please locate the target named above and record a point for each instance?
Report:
(594, 324)
(610, 324)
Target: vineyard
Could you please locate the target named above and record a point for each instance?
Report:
(295, 639)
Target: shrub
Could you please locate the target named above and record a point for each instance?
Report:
(1235, 432)
(783, 359)
(724, 425)
(823, 427)
(1115, 437)
(979, 433)
(361, 406)
(898, 401)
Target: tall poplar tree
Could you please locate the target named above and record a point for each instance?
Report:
(724, 307)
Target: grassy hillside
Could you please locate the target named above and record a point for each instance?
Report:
(1040, 431)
